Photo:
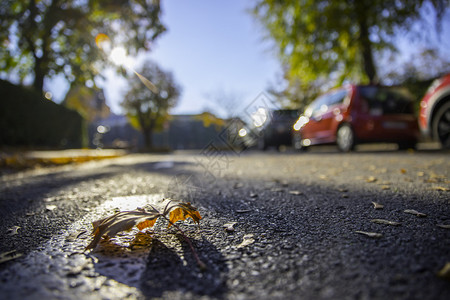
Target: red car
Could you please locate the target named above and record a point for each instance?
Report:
(356, 114)
(434, 117)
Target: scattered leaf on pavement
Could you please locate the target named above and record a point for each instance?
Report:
(229, 227)
(247, 240)
(371, 179)
(182, 212)
(125, 220)
(377, 205)
(370, 234)
(296, 193)
(50, 207)
(445, 272)
(445, 226)
(13, 230)
(415, 212)
(441, 188)
(385, 222)
(403, 171)
(10, 255)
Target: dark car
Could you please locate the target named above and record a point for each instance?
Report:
(276, 128)
(434, 117)
(356, 114)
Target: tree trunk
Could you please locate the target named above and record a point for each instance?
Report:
(366, 44)
(148, 133)
(39, 75)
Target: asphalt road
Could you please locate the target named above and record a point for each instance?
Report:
(295, 233)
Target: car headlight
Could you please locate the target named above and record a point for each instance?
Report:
(300, 123)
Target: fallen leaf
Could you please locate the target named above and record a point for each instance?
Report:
(445, 226)
(184, 211)
(10, 255)
(241, 211)
(385, 222)
(420, 174)
(415, 212)
(370, 234)
(371, 179)
(445, 271)
(50, 207)
(403, 171)
(141, 218)
(323, 177)
(296, 193)
(229, 227)
(246, 240)
(441, 188)
(13, 230)
(377, 205)
(121, 221)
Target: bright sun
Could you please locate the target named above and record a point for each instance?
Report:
(119, 57)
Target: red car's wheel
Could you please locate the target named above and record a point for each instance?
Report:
(441, 125)
(345, 138)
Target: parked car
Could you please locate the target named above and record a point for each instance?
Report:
(356, 114)
(276, 128)
(434, 117)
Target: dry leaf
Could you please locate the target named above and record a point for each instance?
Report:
(296, 193)
(445, 272)
(385, 222)
(370, 234)
(184, 211)
(445, 226)
(247, 240)
(13, 230)
(441, 188)
(50, 207)
(377, 205)
(122, 221)
(403, 171)
(229, 227)
(415, 212)
(10, 255)
(371, 179)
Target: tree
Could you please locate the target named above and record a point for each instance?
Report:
(340, 37)
(148, 103)
(88, 102)
(50, 37)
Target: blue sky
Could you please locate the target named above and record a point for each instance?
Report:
(215, 47)
(212, 47)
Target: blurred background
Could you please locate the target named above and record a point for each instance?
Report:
(164, 75)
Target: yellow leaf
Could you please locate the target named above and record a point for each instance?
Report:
(145, 224)
(184, 211)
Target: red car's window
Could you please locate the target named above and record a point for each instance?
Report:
(388, 100)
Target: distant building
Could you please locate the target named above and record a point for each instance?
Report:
(179, 132)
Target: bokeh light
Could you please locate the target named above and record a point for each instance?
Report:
(103, 42)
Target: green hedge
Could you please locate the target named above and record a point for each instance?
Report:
(29, 120)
